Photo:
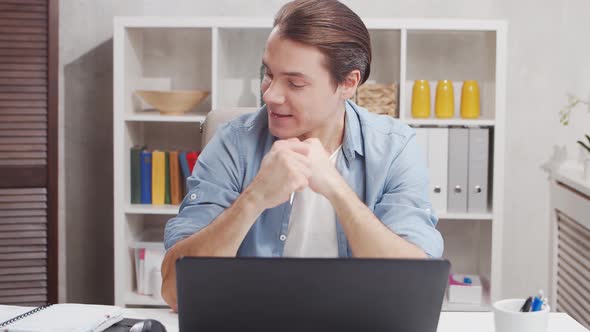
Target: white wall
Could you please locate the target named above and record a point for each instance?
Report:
(547, 57)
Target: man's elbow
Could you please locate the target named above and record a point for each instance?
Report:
(435, 248)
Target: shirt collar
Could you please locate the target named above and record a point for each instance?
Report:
(353, 138)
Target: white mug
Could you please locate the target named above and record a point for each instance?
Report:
(508, 318)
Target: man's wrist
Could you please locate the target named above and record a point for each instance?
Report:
(337, 190)
(251, 200)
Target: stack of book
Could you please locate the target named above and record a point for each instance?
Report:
(159, 177)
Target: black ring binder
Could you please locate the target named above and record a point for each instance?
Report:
(26, 314)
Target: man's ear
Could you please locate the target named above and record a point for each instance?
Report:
(351, 82)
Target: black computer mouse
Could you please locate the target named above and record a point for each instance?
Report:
(148, 325)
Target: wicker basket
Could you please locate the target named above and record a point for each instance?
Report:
(378, 98)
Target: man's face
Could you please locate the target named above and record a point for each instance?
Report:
(297, 89)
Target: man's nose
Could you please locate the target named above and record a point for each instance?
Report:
(273, 94)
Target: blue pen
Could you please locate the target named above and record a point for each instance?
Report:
(537, 304)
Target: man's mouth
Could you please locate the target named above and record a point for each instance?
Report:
(279, 115)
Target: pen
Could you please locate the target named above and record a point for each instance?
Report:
(541, 302)
(526, 307)
(542, 297)
(537, 303)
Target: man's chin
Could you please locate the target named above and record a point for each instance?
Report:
(282, 133)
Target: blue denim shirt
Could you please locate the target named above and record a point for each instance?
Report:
(381, 162)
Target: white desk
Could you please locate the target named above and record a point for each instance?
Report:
(449, 321)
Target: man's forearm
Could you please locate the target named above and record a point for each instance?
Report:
(225, 234)
(367, 235)
(221, 238)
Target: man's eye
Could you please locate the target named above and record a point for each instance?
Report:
(295, 85)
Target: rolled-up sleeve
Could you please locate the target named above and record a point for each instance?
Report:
(405, 207)
(212, 187)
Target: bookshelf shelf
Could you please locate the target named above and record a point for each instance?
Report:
(166, 209)
(134, 299)
(466, 216)
(484, 306)
(450, 122)
(154, 116)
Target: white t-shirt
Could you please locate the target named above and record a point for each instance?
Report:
(312, 225)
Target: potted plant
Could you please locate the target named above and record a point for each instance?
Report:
(564, 115)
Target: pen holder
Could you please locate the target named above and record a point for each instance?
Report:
(508, 318)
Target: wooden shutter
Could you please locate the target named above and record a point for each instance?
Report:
(573, 269)
(28, 152)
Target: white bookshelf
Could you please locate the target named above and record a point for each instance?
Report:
(223, 55)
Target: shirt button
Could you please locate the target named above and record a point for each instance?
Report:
(283, 237)
(193, 196)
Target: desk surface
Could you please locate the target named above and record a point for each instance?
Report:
(449, 321)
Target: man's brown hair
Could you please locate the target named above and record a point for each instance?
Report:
(334, 29)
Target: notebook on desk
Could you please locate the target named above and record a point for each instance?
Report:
(59, 317)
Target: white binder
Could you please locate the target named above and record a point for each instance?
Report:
(458, 163)
(422, 141)
(477, 197)
(438, 145)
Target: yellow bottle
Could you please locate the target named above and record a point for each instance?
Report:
(421, 99)
(445, 100)
(470, 100)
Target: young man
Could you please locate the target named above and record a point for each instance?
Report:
(311, 174)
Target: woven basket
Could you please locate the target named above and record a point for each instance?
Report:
(378, 98)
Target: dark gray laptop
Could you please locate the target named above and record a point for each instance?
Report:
(270, 294)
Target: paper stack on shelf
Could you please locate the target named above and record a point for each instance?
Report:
(464, 288)
(148, 260)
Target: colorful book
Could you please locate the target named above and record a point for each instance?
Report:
(184, 168)
(158, 177)
(146, 177)
(135, 169)
(167, 179)
(175, 179)
(191, 158)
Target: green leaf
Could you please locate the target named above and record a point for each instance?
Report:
(571, 98)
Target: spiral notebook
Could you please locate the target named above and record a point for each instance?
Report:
(64, 317)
